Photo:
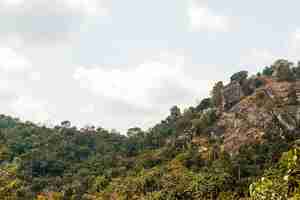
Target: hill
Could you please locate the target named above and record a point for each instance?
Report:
(240, 143)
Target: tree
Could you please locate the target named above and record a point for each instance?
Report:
(135, 131)
(239, 76)
(296, 71)
(175, 112)
(204, 104)
(65, 124)
(281, 182)
(206, 119)
(267, 71)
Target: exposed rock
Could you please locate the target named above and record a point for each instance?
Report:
(175, 114)
(282, 90)
(286, 120)
(250, 108)
(253, 116)
(298, 115)
(225, 97)
(240, 137)
(251, 84)
(200, 141)
(245, 124)
(297, 91)
(294, 111)
(232, 93)
(217, 96)
(282, 71)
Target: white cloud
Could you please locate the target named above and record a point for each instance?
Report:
(9, 86)
(15, 71)
(88, 7)
(85, 7)
(88, 109)
(161, 81)
(12, 2)
(35, 76)
(12, 40)
(296, 35)
(294, 45)
(256, 59)
(202, 18)
(11, 61)
(28, 108)
(47, 21)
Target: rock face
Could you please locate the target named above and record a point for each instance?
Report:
(232, 93)
(217, 96)
(273, 106)
(224, 97)
(282, 70)
(244, 124)
(251, 109)
(297, 91)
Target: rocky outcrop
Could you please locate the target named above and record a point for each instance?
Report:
(282, 70)
(272, 106)
(284, 91)
(244, 124)
(225, 97)
(249, 108)
(297, 91)
(218, 97)
(232, 93)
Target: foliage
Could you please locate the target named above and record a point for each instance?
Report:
(204, 104)
(206, 119)
(182, 157)
(239, 76)
(267, 71)
(281, 182)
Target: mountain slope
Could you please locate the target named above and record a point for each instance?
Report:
(241, 143)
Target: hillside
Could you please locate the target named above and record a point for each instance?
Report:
(242, 142)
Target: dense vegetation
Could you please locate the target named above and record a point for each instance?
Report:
(176, 159)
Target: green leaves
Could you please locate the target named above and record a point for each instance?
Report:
(269, 189)
(281, 182)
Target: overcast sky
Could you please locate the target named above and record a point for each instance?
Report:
(124, 63)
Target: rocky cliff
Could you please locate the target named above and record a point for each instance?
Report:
(246, 117)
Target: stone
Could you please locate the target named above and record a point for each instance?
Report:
(282, 71)
(252, 117)
(217, 94)
(297, 90)
(232, 93)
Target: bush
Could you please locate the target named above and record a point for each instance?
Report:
(204, 104)
(267, 71)
(239, 76)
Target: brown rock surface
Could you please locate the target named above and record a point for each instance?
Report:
(251, 118)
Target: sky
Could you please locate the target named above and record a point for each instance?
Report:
(119, 64)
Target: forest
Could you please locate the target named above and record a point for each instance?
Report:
(241, 142)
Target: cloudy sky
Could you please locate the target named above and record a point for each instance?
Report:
(119, 64)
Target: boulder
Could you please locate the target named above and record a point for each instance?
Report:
(254, 116)
(282, 70)
(232, 93)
